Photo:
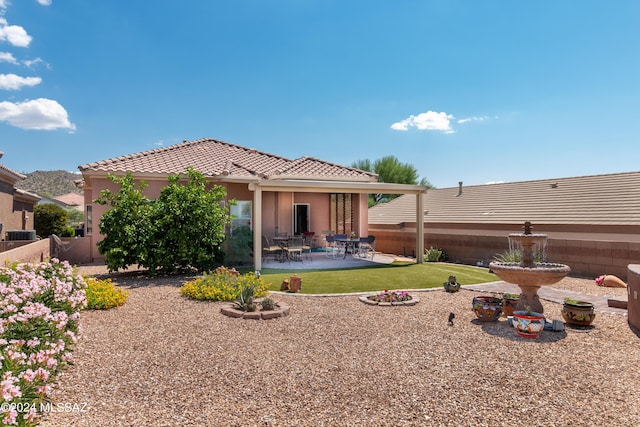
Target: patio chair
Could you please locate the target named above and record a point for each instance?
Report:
(367, 246)
(269, 249)
(306, 243)
(339, 247)
(294, 249)
(332, 248)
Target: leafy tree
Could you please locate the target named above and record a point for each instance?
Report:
(49, 219)
(188, 225)
(389, 169)
(126, 225)
(182, 229)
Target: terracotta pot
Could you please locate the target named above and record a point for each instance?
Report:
(528, 324)
(509, 305)
(295, 283)
(580, 313)
(610, 281)
(486, 308)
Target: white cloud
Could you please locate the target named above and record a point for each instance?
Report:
(429, 120)
(14, 34)
(473, 119)
(38, 114)
(8, 57)
(31, 62)
(15, 82)
(44, 2)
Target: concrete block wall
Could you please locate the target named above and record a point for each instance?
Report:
(36, 251)
(589, 258)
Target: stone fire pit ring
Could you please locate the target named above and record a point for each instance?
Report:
(281, 311)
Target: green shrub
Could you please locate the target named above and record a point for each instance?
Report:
(68, 232)
(434, 255)
(223, 285)
(103, 294)
(49, 219)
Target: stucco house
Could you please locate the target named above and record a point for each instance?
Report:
(592, 222)
(16, 206)
(274, 194)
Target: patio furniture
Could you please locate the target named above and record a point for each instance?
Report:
(347, 245)
(332, 248)
(306, 244)
(367, 246)
(283, 243)
(339, 245)
(294, 248)
(269, 249)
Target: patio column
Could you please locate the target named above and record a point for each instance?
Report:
(257, 226)
(419, 227)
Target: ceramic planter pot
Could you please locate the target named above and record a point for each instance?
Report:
(487, 309)
(451, 285)
(578, 313)
(528, 324)
(509, 304)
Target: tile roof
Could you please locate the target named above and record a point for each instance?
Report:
(611, 199)
(71, 199)
(9, 175)
(216, 158)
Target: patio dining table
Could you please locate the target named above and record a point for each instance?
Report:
(349, 242)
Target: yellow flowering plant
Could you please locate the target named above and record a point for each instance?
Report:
(223, 284)
(103, 294)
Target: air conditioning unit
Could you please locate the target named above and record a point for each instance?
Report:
(12, 235)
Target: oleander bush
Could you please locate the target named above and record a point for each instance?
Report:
(40, 308)
(103, 294)
(223, 284)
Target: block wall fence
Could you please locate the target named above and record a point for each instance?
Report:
(588, 258)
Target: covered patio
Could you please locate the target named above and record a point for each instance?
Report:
(328, 186)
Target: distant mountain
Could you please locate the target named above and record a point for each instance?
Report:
(50, 183)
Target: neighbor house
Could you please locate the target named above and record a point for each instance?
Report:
(16, 208)
(274, 194)
(592, 222)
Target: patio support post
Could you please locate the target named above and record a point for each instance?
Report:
(419, 227)
(257, 226)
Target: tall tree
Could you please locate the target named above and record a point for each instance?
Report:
(389, 169)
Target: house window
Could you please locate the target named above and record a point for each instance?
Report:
(89, 219)
(341, 213)
(241, 214)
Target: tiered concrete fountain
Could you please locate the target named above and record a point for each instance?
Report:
(528, 274)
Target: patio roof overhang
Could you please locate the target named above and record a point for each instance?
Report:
(316, 186)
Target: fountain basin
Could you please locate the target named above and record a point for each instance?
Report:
(540, 275)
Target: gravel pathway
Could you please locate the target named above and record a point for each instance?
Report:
(165, 360)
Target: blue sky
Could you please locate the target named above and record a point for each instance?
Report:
(474, 91)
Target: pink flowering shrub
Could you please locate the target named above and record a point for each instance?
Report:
(39, 314)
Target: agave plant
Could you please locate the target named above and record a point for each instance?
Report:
(245, 299)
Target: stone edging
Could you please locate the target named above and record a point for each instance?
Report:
(281, 311)
(413, 301)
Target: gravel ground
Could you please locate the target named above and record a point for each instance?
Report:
(165, 360)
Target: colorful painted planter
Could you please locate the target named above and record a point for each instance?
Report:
(579, 313)
(509, 304)
(486, 308)
(528, 324)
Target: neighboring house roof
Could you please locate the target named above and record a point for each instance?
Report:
(25, 196)
(219, 159)
(10, 176)
(71, 199)
(598, 199)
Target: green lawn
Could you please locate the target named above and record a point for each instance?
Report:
(393, 276)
